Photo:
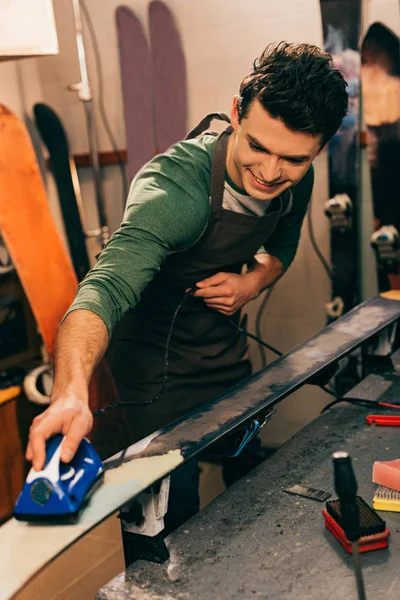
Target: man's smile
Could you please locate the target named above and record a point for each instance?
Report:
(264, 184)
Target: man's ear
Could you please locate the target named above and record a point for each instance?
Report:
(234, 113)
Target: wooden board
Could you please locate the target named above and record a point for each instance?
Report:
(11, 458)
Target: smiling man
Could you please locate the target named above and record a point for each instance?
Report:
(195, 216)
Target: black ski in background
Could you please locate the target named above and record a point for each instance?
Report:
(341, 20)
(380, 75)
(64, 170)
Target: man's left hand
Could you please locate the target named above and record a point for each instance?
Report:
(226, 292)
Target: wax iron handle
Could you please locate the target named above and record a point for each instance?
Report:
(346, 489)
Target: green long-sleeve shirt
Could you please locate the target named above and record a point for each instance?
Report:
(167, 210)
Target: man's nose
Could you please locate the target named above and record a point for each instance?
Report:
(271, 169)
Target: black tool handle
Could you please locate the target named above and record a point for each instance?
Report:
(346, 489)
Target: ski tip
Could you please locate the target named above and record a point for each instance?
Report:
(124, 12)
(157, 7)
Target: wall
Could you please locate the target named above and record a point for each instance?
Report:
(385, 11)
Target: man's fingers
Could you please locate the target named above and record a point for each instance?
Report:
(225, 311)
(28, 453)
(214, 280)
(227, 302)
(77, 431)
(217, 291)
(37, 442)
(222, 308)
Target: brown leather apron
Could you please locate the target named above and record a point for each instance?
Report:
(207, 355)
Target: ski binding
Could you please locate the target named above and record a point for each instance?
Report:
(386, 243)
(339, 209)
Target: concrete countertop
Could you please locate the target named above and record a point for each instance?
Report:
(256, 541)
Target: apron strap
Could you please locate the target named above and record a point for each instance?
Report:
(205, 124)
(218, 171)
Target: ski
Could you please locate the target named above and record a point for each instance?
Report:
(137, 89)
(170, 87)
(341, 27)
(38, 253)
(380, 73)
(65, 174)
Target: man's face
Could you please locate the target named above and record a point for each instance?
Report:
(264, 156)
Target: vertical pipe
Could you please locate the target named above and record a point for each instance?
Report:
(369, 282)
(84, 94)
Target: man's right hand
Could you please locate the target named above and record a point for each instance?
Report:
(70, 417)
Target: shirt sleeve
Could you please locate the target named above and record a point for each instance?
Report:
(284, 241)
(167, 210)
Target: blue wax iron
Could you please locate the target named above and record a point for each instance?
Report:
(60, 490)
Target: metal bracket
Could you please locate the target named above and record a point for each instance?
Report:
(145, 513)
(339, 210)
(386, 244)
(377, 354)
(142, 523)
(382, 344)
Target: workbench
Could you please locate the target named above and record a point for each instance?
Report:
(256, 541)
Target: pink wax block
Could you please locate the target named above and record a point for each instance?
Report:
(387, 474)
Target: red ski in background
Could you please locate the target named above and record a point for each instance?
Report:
(169, 68)
(137, 89)
(153, 76)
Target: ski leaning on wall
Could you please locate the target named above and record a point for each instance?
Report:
(341, 26)
(153, 79)
(137, 89)
(380, 75)
(40, 259)
(29, 231)
(170, 97)
(65, 174)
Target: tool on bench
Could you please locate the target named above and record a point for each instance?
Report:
(346, 489)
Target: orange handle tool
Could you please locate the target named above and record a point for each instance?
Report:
(389, 420)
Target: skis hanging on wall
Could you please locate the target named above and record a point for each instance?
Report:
(154, 83)
(137, 89)
(170, 97)
(65, 175)
(341, 26)
(380, 74)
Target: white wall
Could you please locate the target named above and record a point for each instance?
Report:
(385, 11)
